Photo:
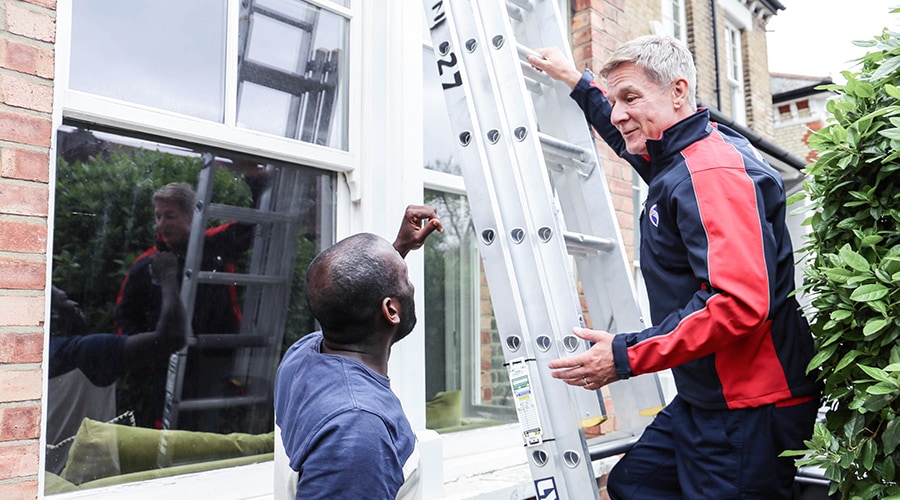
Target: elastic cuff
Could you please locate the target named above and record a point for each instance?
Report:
(620, 357)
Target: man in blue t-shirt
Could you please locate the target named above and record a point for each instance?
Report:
(340, 430)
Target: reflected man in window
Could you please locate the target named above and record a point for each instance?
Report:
(216, 308)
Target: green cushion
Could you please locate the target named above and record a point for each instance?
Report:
(55, 484)
(102, 450)
(445, 410)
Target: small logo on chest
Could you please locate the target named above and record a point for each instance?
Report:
(654, 215)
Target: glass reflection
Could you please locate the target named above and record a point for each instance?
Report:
(168, 54)
(240, 263)
(292, 71)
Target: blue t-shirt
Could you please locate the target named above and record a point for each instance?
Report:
(340, 429)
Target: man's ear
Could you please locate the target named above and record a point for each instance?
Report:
(390, 309)
(680, 92)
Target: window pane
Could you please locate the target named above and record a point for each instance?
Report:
(465, 379)
(168, 54)
(292, 76)
(243, 295)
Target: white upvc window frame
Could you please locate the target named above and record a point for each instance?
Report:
(734, 72)
(739, 19)
(674, 23)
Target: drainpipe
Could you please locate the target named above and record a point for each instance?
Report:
(715, 33)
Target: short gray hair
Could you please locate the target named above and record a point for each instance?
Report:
(178, 192)
(664, 59)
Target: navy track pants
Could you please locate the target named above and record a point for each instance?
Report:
(691, 453)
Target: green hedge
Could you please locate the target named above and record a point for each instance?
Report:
(853, 276)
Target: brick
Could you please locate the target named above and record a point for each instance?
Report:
(25, 128)
(24, 199)
(21, 92)
(578, 5)
(30, 23)
(21, 384)
(20, 422)
(17, 273)
(25, 164)
(17, 310)
(18, 460)
(19, 490)
(586, 19)
(18, 347)
(23, 236)
(50, 4)
(27, 58)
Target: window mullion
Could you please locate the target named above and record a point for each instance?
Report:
(232, 28)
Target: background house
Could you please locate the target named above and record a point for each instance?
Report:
(180, 79)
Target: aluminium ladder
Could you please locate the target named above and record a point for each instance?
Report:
(538, 196)
(265, 290)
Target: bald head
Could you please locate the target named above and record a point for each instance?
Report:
(347, 283)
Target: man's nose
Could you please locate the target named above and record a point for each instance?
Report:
(618, 115)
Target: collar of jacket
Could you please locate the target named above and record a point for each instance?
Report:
(677, 137)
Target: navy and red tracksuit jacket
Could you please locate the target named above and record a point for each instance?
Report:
(718, 264)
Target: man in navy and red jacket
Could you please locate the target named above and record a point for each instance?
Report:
(717, 260)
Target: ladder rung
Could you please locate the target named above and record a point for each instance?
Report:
(611, 448)
(584, 243)
(223, 402)
(532, 85)
(524, 52)
(244, 214)
(227, 341)
(238, 279)
(528, 70)
(525, 4)
(553, 159)
(562, 146)
(514, 12)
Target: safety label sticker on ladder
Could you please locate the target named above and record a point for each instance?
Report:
(526, 406)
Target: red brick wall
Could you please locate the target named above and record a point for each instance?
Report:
(598, 28)
(27, 37)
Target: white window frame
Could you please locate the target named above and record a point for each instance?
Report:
(670, 20)
(734, 72)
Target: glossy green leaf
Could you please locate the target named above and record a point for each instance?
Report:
(868, 293)
(854, 259)
(890, 438)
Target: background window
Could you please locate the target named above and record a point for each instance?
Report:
(735, 76)
(674, 19)
(465, 378)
